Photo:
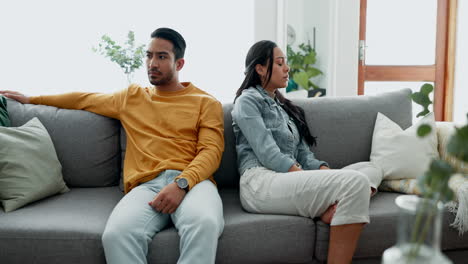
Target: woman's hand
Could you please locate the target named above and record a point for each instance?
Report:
(294, 167)
(323, 167)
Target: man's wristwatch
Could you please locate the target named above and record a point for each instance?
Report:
(182, 183)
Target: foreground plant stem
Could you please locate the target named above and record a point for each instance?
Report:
(418, 236)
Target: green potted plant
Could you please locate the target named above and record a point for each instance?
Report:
(302, 70)
(128, 56)
(419, 238)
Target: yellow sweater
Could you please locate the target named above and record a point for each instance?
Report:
(180, 130)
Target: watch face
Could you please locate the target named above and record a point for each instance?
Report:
(182, 183)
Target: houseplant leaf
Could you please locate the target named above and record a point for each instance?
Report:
(312, 72)
(302, 79)
(310, 58)
(458, 143)
(422, 98)
(424, 130)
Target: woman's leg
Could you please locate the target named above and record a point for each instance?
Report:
(328, 215)
(310, 194)
(343, 241)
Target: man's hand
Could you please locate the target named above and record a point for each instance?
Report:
(16, 96)
(323, 167)
(168, 199)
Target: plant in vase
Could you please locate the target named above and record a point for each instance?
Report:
(302, 70)
(128, 56)
(420, 217)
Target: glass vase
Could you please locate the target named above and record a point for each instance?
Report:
(419, 232)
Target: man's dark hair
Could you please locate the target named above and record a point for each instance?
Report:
(174, 37)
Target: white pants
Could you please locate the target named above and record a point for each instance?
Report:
(133, 223)
(307, 193)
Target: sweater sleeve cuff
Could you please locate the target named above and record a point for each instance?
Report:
(191, 182)
(35, 100)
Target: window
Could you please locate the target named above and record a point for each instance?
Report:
(404, 44)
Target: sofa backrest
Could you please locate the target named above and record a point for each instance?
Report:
(343, 127)
(90, 146)
(227, 174)
(87, 144)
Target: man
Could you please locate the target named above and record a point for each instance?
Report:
(174, 145)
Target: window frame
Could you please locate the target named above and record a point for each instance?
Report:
(441, 73)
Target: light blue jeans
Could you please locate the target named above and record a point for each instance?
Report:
(133, 223)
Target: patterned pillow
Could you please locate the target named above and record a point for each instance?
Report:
(409, 186)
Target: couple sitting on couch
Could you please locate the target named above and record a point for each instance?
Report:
(175, 143)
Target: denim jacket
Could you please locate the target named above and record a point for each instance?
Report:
(266, 136)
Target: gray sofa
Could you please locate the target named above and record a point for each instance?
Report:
(67, 228)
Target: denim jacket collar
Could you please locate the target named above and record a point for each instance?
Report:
(266, 96)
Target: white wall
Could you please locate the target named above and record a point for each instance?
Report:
(304, 16)
(337, 36)
(45, 45)
(316, 14)
(265, 19)
(344, 45)
(461, 65)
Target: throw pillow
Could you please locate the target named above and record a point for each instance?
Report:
(402, 154)
(29, 167)
(4, 118)
(409, 186)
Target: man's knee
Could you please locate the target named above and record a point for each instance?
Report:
(208, 224)
(111, 236)
(212, 221)
(117, 236)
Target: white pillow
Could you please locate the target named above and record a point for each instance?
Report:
(402, 154)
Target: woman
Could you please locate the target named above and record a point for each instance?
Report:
(279, 173)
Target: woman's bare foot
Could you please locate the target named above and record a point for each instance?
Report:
(329, 213)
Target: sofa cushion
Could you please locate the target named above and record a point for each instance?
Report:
(87, 144)
(68, 228)
(64, 228)
(248, 238)
(29, 168)
(263, 238)
(344, 125)
(381, 232)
